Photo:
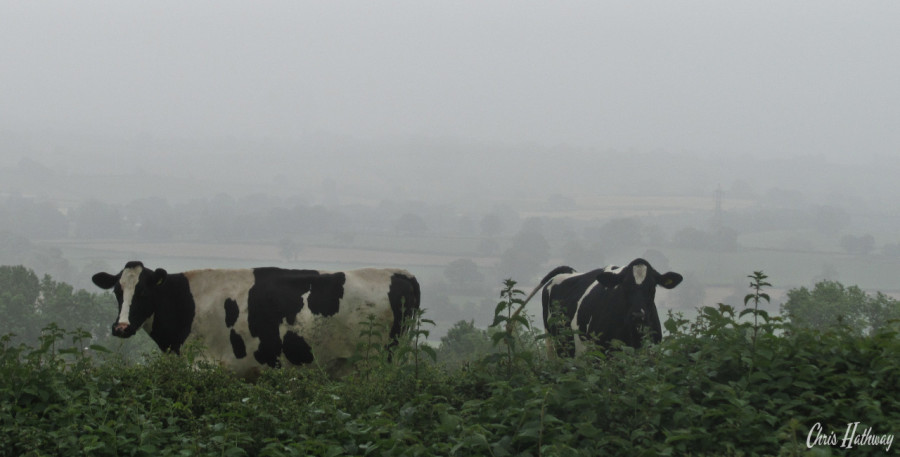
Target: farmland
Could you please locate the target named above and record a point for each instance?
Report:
(714, 276)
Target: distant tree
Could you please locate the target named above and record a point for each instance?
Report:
(879, 309)
(690, 294)
(656, 258)
(725, 239)
(829, 273)
(559, 202)
(617, 233)
(891, 250)
(582, 254)
(154, 219)
(73, 309)
(464, 343)
(33, 218)
(19, 293)
(862, 245)
(14, 247)
(829, 304)
(830, 220)
(492, 225)
(28, 305)
(288, 249)
(527, 255)
(463, 274)
(691, 238)
(411, 224)
(655, 235)
(94, 219)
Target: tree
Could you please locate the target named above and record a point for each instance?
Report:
(725, 239)
(36, 219)
(28, 305)
(691, 293)
(862, 245)
(411, 224)
(829, 220)
(527, 255)
(582, 255)
(61, 303)
(463, 343)
(891, 250)
(463, 274)
(617, 233)
(19, 292)
(691, 238)
(288, 249)
(831, 304)
(880, 309)
(94, 219)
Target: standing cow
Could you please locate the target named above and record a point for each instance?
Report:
(263, 317)
(602, 305)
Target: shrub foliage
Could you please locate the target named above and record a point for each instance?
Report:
(720, 384)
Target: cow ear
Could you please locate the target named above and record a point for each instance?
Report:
(105, 280)
(159, 276)
(609, 279)
(670, 280)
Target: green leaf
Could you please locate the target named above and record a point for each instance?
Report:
(430, 351)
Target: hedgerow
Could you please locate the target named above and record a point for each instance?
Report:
(724, 383)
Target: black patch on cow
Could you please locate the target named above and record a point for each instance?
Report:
(277, 297)
(296, 349)
(325, 294)
(231, 312)
(237, 345)
(172, 308)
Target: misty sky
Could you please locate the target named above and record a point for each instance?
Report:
(710, 77)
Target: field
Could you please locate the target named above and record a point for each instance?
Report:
(792, 258)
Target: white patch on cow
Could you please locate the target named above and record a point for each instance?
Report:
(334, 338)
(128, 281)
(552, 283)
(640, 273)
(578, 335)
(210, 289)
(331, 338)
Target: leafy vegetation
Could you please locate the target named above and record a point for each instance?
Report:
(720, 384)
(831, 304)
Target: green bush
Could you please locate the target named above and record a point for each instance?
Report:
(720, 384)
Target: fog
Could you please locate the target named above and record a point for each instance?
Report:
(415, 134)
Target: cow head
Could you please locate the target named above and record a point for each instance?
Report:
(134, 288)
(637, 283)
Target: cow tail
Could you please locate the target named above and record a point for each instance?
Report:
(405, 299)
(410, 305)
(556, 271)
(416, 299)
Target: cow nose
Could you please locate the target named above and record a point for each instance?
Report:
(120, 328)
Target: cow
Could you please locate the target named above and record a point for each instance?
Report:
(611, 303)
(250, 319)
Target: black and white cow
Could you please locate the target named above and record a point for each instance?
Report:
(263, 317)
(602, 305)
